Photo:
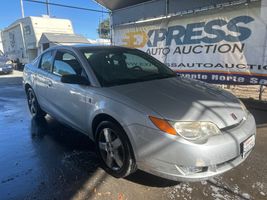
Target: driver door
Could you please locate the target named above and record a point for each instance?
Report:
(68, 100)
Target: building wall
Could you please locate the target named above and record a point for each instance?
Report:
(50, 25)
(141, 11)
(158, 8)
(20, 39)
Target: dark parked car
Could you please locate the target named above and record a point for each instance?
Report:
(5, 64)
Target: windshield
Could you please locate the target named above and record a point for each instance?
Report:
(123, 66)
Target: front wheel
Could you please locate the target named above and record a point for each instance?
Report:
(33, 104)
(114, 150)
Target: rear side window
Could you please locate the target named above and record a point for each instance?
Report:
(46, 61)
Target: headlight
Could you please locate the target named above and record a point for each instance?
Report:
(187, 130)
(196, 130)
(9, 62)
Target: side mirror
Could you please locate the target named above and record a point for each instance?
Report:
(74, 79)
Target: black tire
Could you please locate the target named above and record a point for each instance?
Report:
(117, 145)
(33, 104)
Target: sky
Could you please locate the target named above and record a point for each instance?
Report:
(84, 22)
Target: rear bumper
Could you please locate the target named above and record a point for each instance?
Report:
(174, 158)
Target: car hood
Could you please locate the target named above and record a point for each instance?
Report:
(181, 99)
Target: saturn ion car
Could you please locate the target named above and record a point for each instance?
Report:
(139, 113)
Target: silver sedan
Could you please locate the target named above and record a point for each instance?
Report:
(140, 114)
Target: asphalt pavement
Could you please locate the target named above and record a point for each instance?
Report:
(43, 159)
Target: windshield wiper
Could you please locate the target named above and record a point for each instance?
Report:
(157, 76)
(122, 81)
(141, 79)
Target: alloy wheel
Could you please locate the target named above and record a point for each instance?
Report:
(111, 149)
(32, 102)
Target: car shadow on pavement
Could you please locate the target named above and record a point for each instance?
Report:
(79, 157)
(61, 134)
(150, 180)
(67, 158)
(82, 150)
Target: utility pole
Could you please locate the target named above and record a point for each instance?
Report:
(100, 27)
(47, 8)
(22, 8)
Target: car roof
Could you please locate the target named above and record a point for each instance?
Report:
(89, 47)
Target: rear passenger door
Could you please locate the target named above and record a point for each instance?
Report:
(42, 82)
(68, 101)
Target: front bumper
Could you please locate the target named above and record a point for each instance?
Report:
(177, 159)
(207, 173)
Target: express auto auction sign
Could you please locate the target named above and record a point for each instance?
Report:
(226, 48)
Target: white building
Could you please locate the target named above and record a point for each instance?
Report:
(21, 38)
(53, 39)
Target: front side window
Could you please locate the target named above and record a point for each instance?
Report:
(46, 61)
(66, 64)
(123, 66)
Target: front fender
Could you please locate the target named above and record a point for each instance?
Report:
(122, 113)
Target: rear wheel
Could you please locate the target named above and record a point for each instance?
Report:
(114, 150)
(33, 104)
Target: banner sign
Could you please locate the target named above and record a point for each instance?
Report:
(228, 47)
